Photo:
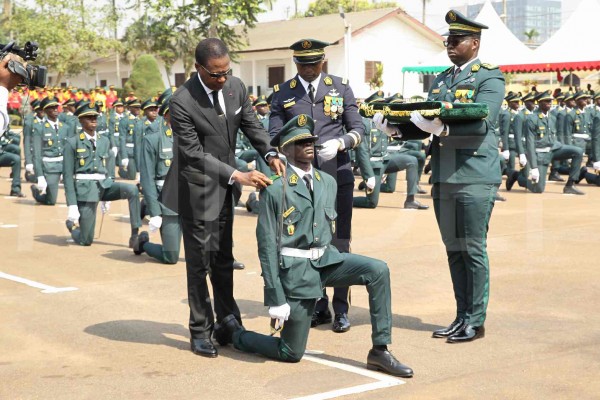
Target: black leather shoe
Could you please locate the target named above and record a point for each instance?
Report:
(223, 331)
(362, 185)
(510, 181)
(420, 190)
(251, 199)
(499, 198)
(133, 240)
(450, 330)
(341, 323)
(427, 169)
(238, 265)
(320, 318)
(70, 225)
(383, 360)
(34, 191)
(415, 205)
(138, 247)
(555, 177)
(17, 194)
(572, 190)
(467, 333)
(203, 347)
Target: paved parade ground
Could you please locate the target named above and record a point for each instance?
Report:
(122, 334)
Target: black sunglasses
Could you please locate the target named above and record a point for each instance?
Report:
(455, 40)
(217, 75)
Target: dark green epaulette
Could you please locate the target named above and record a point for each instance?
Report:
(489, 66)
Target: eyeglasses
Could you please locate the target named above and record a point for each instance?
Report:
(217, 75)
(455, 40)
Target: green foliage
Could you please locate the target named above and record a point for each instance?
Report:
(377, 81)
(145, 79)
(531, 34)
(322, 7)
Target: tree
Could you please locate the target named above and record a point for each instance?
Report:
(145, 79)
(376, 81)
(323, 7)
(531, 34)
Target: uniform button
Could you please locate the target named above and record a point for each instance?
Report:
(316, 239)
(314, 105)
(474, 153)
(315, 224)
(441, 144)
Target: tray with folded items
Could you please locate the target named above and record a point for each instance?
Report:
(399, 113)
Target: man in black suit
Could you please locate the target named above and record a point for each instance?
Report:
(206, 113)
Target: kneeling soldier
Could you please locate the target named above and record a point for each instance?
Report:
(86, 157)
(294, 232)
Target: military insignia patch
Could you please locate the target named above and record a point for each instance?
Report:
(291, 229)
(435, 91)
(541, 115)
(47, 125)
(302, 120)
(168, 163)
(475, 68)
(288, 211)
(306, 44)
(82, 136)
(328, 81)
(288, 105)
(318, 176)
(81, 162)
(276, 88)
(293, 179)
(292, 83)
(81, 150)
(169, 132)
(489, 66)
(332, 226)
(452, 16)
(344, 81)
(50, 142)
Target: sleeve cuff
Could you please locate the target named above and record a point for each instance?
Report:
(270, 153)
(351, 139)
(231, 181)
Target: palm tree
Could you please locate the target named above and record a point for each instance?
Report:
(531, 34)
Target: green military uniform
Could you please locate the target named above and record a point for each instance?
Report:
(30, 121)
(10, 156)
(157, 153)
(48, 146)
(308, 261)
(114, 120)
(578, 125)
(511, 128)
(129, 130)
(87, 182)
(543, 148)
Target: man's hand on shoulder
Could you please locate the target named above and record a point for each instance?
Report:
(252, 178)
(276, 165)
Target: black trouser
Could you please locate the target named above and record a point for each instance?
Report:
(341, 241)
(208, 250)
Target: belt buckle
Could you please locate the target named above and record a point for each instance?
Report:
(314, 254)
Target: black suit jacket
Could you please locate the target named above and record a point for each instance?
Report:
(204, 147)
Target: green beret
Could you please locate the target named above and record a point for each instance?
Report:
(300, 127)
(164, 95)
(582, 94)
(547, 95)
(85, 109)
(395, 98)
(149, 103)
(133, 103)
(377, 96)
(48, 102)
(260, 101)
(309, 51)
(459, 25)
(164, 107)
(118, 102)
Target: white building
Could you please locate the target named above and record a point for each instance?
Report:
(387, 36)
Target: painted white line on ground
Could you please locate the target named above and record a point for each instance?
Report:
(383, 380)
(45, 288)
(8, 226)
(250, 273)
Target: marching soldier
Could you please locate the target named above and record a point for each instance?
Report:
(295, 229)
(543, 148)
(157, 153)
(48, 147)
(330, 102)
(512, 138)
(128, 128)
(86, 180)
(28, 125)
(578, 123)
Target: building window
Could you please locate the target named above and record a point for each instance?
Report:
(371, 70)
(276, 75)
(179, 79)
(427, 82)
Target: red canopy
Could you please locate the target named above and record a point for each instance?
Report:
(551, 67)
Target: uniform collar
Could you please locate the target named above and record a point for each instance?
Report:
(315, 83)
(464, 66)
(301, 172)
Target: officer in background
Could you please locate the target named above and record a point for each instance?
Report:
(128, 131)
(8, 158)
(30, 121)
(330, 102)
(86, 180)
(296, 223)
(261, 107)
(578, 123)
(156, 156)
(103, 130)
(117, 113)
(48, 146)
(512, 138)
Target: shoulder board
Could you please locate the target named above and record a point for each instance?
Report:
(344, 81)
(317, 175)
(489, 66)
(448, 70)
(276, 88)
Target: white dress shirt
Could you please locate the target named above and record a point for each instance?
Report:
(210, 96)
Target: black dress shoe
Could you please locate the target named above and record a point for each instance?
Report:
(468, 333)
(320, 318)
(70, 225)
(17, 194)
(133, 240)
(427, 169)
(251, 199)
(450, 330)
(383, 360)
(415, 205)
(572, 190)
(238, 265)
(341, 323)
(362, 185)
(421, 190)
(138, 247)
(512, 178)
(224, 330)
(204, 348)
(231, 324)
(555, 177)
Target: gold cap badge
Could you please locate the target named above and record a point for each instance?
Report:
(306, 44)
(301, 120)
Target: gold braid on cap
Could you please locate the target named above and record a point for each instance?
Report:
(463, 27)
(307, 53)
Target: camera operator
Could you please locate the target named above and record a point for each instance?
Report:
(8, 81)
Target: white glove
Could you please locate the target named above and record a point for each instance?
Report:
(535, 175)
(114, 151)
(42, 184)
(329, 149)
(73, 214)
(597, 165)
(434, 126)
(29, 168)
(371, 183)
(382, 124)
(105, 206)
(281, 313)
(155, 223)
(125, 163)
(506, 154)
(522, 160)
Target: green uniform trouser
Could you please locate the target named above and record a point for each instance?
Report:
(463, 213)
(399, 162)
(565, 152)
(170, 235)
(354, 270)
(14, 161)
(49, 198)
(12, 148)
(582, 144)
(84, 235)
(131, 170)
(592, 179)
(372, 196)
